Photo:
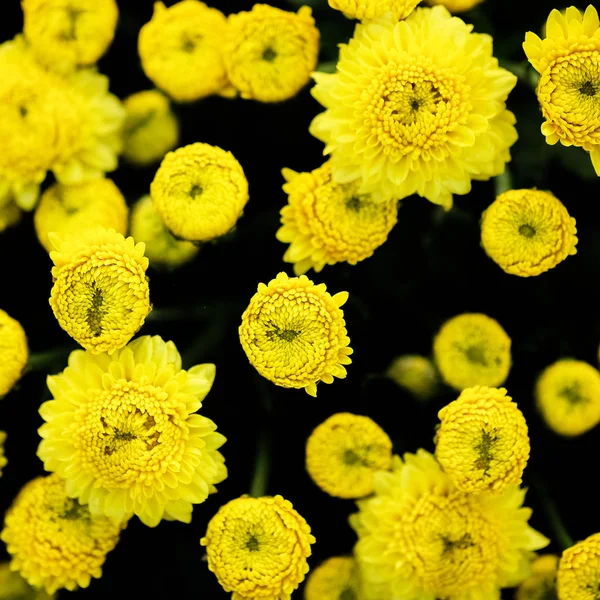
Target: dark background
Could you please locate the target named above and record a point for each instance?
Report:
(431, 268)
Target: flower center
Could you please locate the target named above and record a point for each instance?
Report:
(354, 203)
(69, 34)
(196, 191)
(347, 594)
(95, 312)
(572, 394)
(252, 544)
(188, 45)
(287, 335)
(484, 449)
(74, 511)
(351, 458)
(450, 545)
(269, 55)
(476, 355)
(587, 88)
(527, 231)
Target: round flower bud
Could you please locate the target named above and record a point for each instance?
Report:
(13, 352)
(336, 578)
(541, 584)
(578, 568)
(416, 374)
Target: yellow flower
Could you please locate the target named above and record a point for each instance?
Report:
(567, 394)
(67, 33)
(14, 587)
(455, 6)
(541, 585)
(3, 461)
(151, 129)
(123, 432)
(482, 442)
(13, 352)
(54, 541)
(417, 374)
(416, 106)
(334, 579)
(270, 53)
(69, 209)
(527, 232)
(10, 214)
(100, 295)
(366, 10)
(568, 61)
(344, 452)
(472, 349)
(181, 50)
(420, 538)
(294, 334)
(200, 192)
(577, 577)
(257, 548)
(162, 249)
(326, 223)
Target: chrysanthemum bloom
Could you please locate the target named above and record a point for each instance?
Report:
(527, 232)
(568, 396)
(257, 548)
(67, 33)
(14, 587)
(13, 352)
(420, 538)
(100, 295)
(326, 222)
(200, 192)
(455, 6)
(482, 441)
(541, 585)
(416, 106)
(181, 50)
(294, 334)
(472, 349)
(417, 374)
(123, 432)
(69, 209)
(54, 541)
(568, 61)
(270, 53)
(3, 461)
(578, 569)
(10, 214)
(151, 129)
(162, 249)
(344, 452)
(334, 579)
(367, 10)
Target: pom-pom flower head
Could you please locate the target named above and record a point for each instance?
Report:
(123, 432)
(568, 396)
(336, 578)
(482, 442)
(54, 541)
(472, 349)
(416, 107)
(13, 352)
(344, 452)
(100, 295)
(578, 568)
(367, 10)
(13, 586)
(541, 585)
(416, 374)
(270, 53)
(527, 232)
(326, 223)
(294, 334)
(200, 192)
(257, 548)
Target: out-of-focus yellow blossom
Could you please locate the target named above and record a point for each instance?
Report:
(100, 295)
(336, 578)
(14, 587)
(326, 223)
(367, 10)
(54, 541)
(69, 209)
(568, 396)
(124, 433)
(257, 548)
(64, 34)
(10, 214)
(472, 349)
(151, 129)
(13, 352)
(416, 107)
(455, 6)
(527, 232)
(578, 569)
(294, 334)
(200, 192)
(3, 463)
(181, 50)
(417, 374)
(568, 61)
(344, 452)
(482, 441)
(420, 538)
(270, 53)
(541, 585)
(162, 249)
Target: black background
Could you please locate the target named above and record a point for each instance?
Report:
(431, 268)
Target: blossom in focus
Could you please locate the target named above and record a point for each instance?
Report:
(344, 452)
(416, 374)
(455, 6)
(294, 333)
(200, 192)
(567, 394)
(416, 107)
(53, 540)
(257, 547)
(3, 461)
(541, 584)
(13, 586)
(367, 10)
(336, 578)
(100, 295)
(568, 61)
(124, 432)
(270, 53)
(472, 349)
(326, 223)
(578, 568)
(13, 352)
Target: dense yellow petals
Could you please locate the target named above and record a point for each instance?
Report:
(14, 587)
(541, 585)
(416, 374)
(367, 10)
(13, 352)
(336, 578)
(578, 568)
(455, 6)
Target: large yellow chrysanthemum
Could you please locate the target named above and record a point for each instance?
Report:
(578, 575)
(541, 585)
(257, 548)
(416, 374)
(455, 6)
(416, 106)
(14, 587)
(568, 61)
(337, 578)
(13, 352)
(420, 538)
(123, 432)
(367, 10)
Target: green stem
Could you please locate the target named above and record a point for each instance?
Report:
(262, 466)
(561, 535)
(49, 360)
(503, 182)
